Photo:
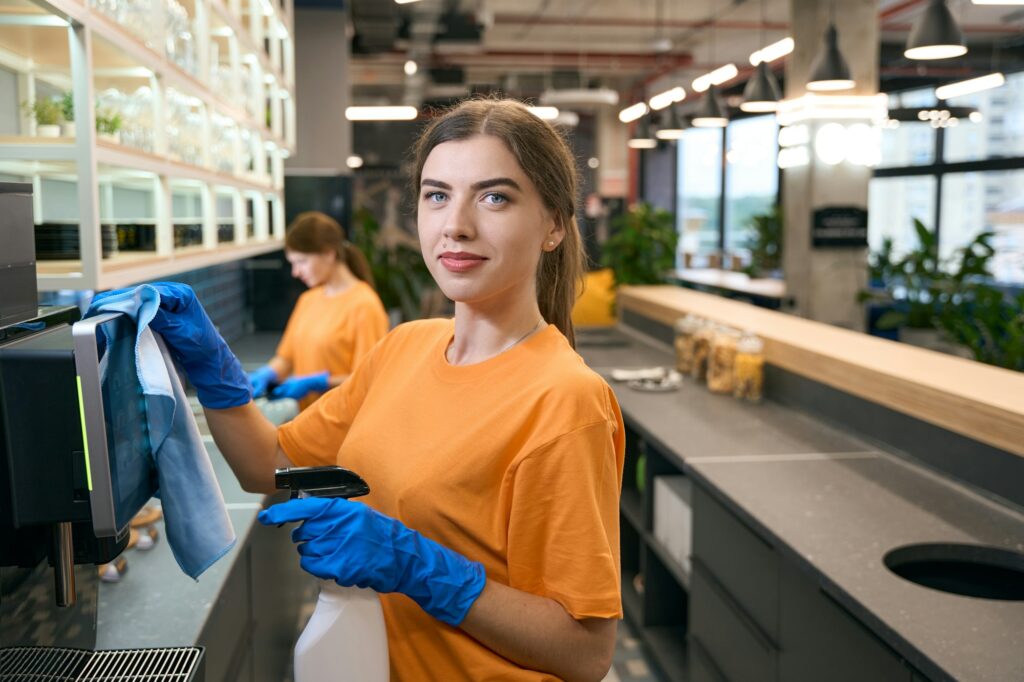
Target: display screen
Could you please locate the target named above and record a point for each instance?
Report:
(133, 478)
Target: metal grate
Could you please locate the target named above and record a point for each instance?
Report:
(52, 664)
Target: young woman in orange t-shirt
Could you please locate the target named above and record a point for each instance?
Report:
(494, 455)
(334, 324)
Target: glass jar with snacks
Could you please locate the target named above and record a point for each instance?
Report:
(749, 369)
(721, 360)
(686, 328)
(702, 337)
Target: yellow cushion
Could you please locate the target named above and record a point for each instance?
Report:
(594, 307)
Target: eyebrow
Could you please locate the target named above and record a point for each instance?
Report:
(476, 186)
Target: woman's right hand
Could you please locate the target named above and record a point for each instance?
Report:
(195, 344)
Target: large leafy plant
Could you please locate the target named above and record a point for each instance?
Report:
(988, 321)
(642, 247)
(399, 273)
(920, 283)
(765, 243)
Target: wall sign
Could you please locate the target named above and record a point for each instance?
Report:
(839, 226)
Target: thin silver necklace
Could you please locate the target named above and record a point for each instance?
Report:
(514, 343)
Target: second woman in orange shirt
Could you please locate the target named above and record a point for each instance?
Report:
(333, 325)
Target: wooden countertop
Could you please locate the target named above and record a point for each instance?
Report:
(979, 401)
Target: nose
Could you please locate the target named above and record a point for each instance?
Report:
(460, 222)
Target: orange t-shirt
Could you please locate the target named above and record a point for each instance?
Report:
(515, 462)
(332, 332)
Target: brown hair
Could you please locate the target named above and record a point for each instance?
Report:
(547, 160)
(316, 232)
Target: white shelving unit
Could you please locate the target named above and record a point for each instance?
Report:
(207, 149)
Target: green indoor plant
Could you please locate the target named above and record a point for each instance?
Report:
(642, 247)
(46, 112)
(108, 124)
(989, 322)
(765, 244)
(67, 110)
(399, 273)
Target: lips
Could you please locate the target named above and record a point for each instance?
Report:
(460, 261)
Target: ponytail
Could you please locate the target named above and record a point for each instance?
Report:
(352, 257)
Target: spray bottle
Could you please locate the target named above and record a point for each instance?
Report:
(345, 639)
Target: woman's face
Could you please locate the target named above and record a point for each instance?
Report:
(312, 268)
(481, 222)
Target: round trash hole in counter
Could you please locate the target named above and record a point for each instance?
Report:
(969, 570)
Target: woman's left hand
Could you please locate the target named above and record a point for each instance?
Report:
(355, 545)
(299, 387)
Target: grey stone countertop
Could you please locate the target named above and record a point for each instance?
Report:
(836, 506)
(155, 604)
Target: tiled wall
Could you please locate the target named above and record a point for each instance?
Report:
(222, 289)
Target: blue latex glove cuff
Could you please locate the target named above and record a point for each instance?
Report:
(260, 380)
(354, 545)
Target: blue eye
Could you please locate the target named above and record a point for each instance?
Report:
(434, 196)
(494, 198)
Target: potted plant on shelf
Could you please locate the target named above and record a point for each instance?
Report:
(108, 125)
(67, 110)
(765, 244)
(642, 247)
(46, 112)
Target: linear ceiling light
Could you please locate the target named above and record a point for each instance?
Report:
(633, 112)
(710, 114)
(968, 87)
(544, 113)
(830, 72)
(664, 99)
(998, 2)
(770, 53)
(381, 113)
(716, 77)
(935, 35)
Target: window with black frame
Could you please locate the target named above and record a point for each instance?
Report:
(960, 174)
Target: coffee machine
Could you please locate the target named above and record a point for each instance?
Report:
(75, 467)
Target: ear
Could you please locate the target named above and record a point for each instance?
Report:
(554, 235)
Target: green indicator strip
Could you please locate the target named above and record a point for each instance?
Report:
(85, 439)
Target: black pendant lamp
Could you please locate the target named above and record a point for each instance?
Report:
(710, 114)
(762, 92)
(673, 128)
(830, 72)
(642, 138)
(935, 35)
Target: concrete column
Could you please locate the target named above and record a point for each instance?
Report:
(322, 92)
(613, 173)
(824, 281)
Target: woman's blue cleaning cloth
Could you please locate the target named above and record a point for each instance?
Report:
(197, 524)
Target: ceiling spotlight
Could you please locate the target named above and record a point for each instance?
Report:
(762, 92)
(354, 161)
(710, 114)
(673, 128)
(830, 72)
(642, 138)
(935, 35)
(411, 67)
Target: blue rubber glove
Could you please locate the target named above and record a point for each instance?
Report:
(196, 345)
(354, 545)
(299, 387)
(260, 379)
